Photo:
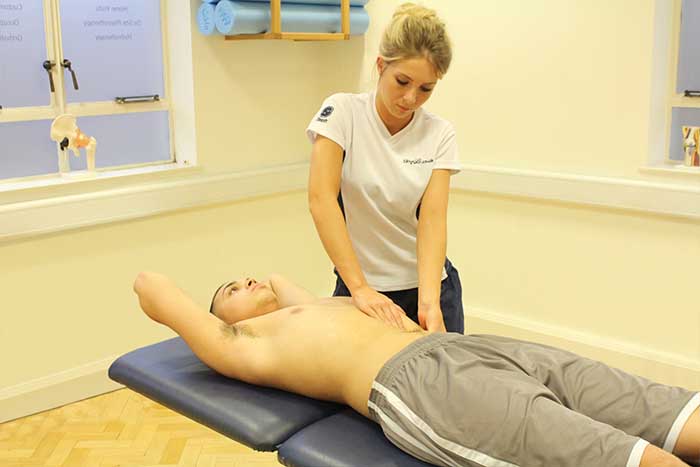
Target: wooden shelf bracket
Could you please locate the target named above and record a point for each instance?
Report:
(276, 27)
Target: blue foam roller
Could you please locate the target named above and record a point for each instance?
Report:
(233, 17)
(205, 19)
(311, 2)
(308, 2)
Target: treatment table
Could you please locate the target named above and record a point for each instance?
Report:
(305, 432)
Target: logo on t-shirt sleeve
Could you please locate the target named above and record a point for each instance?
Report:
(325, 113)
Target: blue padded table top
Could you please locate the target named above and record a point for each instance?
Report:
(346, 439)
(261, 418)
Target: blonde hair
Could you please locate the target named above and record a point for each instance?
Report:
(416, 31)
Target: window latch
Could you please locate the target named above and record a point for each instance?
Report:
(48, 65)
(689, 93)
(67, 64)
(134, 99)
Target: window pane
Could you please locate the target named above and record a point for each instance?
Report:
(115, 48)
(126, 139)
(681, 116)
(689, 54)
(23, 81)
(27, 149)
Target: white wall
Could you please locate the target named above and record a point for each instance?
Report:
(563, 88)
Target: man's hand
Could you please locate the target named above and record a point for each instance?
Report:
(150, 287)
(288, 293)
(430, 318)
(379, 306)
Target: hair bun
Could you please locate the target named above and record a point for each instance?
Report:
(413, 10)
(416, 31)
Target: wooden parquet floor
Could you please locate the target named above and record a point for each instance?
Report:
(121, 428)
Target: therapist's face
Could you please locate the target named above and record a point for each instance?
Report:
(404, 85)
(244, 299)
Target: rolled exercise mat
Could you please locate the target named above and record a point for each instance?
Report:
(308, 2)
(233, 17)
(205, 19)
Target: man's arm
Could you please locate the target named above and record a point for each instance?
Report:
(288, 293)
(233, 351)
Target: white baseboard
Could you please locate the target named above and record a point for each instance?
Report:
(658, 365)
(55, 390)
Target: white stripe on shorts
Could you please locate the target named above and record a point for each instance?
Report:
(635, 457)
(677, 426)
(461, 451)
(400, 432)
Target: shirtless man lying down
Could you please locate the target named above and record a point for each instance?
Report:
(445, 398)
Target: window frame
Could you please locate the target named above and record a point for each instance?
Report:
(664, 98)
(90, 109)
(45, 112)
(58, 105)
(51, 203)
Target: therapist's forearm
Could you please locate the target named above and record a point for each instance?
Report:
(333, 232)
(432, 247)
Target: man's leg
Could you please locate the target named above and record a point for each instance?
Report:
(655, 412)
(657, 457)
(475, 411)
(688, 444)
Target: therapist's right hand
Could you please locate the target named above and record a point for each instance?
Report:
(377, 305)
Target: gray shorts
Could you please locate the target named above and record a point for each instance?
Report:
(455, 400)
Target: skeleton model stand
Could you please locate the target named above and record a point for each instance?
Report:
(66, 133)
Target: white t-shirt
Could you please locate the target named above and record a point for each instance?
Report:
(383, 181)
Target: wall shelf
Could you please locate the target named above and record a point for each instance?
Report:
(276, 27)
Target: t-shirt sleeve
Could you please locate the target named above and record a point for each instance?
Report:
(333, 121)
(447, 156)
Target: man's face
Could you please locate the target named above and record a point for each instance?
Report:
(243, 299)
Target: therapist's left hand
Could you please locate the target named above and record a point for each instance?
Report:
(430, 318)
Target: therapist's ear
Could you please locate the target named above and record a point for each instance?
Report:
(381, 65)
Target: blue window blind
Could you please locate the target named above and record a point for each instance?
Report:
(689, 51)
(26, 149)
(23, 81)
(115, 48)
(681, 116)
(126, 139)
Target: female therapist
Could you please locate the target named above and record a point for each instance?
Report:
(390, 161)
